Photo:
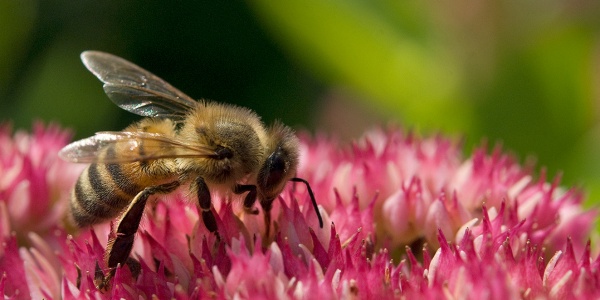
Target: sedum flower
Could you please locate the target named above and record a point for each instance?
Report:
(406, 217)
(34, 183)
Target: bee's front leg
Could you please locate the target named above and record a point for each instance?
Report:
(119, 247)
(250, 198)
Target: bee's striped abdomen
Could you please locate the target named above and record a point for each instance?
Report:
(101, 193)
(105, 189)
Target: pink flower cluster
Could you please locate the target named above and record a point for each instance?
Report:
(406, 217)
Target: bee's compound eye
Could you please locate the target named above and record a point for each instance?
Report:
(223, 153)
(276, 164)
(274, 169)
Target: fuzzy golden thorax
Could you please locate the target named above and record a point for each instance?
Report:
(235, 133)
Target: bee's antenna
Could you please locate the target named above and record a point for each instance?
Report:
(312, 198)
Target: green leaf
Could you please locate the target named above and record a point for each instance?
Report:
(17, 19)
(351, 44)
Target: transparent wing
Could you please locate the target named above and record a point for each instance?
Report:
(135, 89)
(124, 147)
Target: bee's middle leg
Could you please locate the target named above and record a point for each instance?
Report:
(205, 203)
(120, 246)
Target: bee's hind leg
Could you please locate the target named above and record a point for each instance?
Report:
(119, 247)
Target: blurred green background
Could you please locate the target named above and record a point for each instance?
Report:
(525, 74)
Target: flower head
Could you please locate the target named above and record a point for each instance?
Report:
(34, 182)
(404, 216)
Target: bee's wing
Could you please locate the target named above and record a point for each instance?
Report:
(129, 147)
(135, 89)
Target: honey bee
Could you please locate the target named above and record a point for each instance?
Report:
(201, 145)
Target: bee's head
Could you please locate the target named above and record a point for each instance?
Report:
(280, 164)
